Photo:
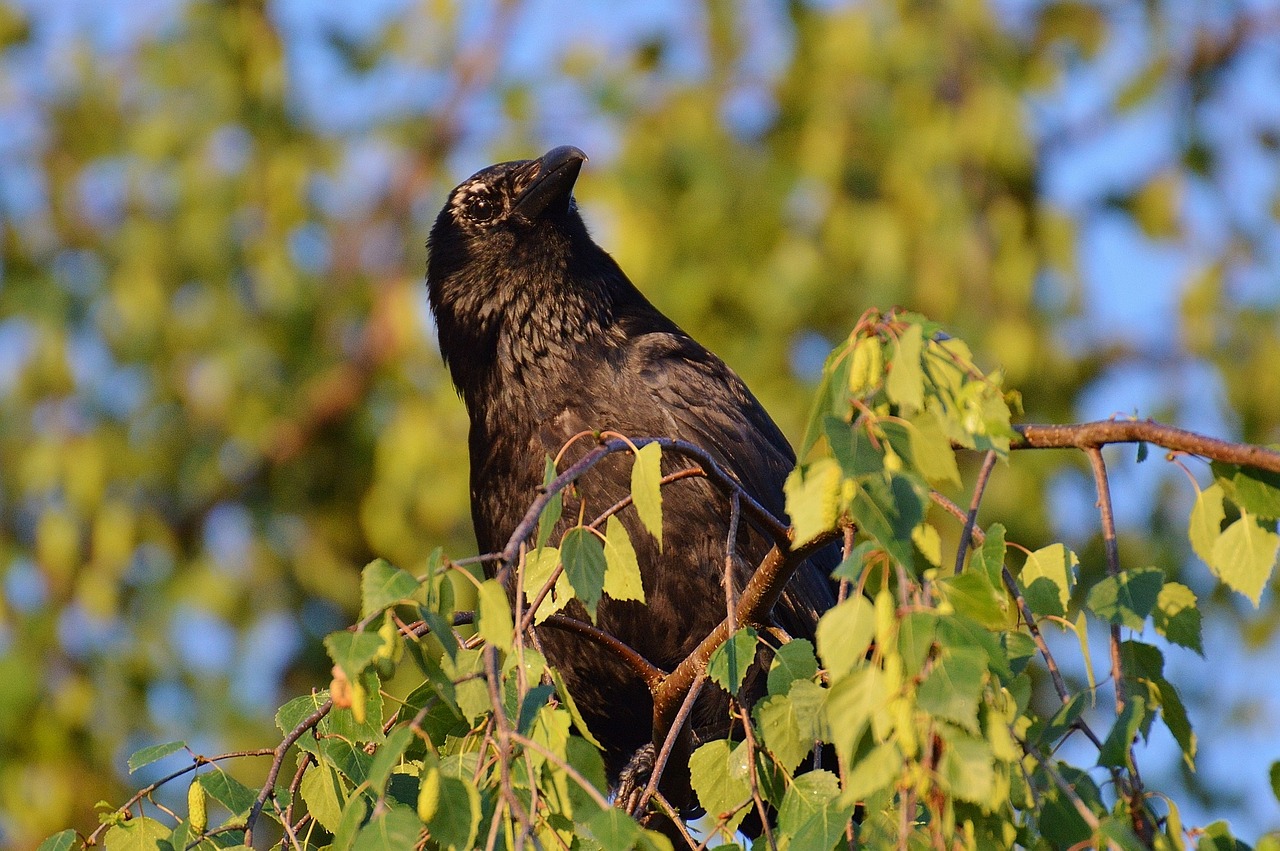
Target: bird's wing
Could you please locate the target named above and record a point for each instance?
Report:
(708, 405)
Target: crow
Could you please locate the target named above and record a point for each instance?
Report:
(545, 338)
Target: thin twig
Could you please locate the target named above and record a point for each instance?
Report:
(665, 806)
(755, 778)
(268, 788)
(979, 487)
(1099, 468)
(730, 554)
(668, 744)
(573, 773)
(196, 762)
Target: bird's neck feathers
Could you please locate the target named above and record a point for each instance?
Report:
(508, 327)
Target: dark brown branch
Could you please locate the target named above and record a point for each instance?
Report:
(758, 598)
(1103, 432)
(640, 666)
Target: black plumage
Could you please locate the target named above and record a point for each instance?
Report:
(545, 337)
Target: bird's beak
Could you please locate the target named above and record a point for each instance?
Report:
(551, 189)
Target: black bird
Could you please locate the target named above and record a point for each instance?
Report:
(545, 337)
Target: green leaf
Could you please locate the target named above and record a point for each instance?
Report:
(1258, 492)
(1116, 832)
(392, 829)
(349, 825)
(1115, 750)
(1127, 599)
(916, 633)
(1062, 722)
(495, 623)
(972, 595)
(990, 557)
(622, 572)
(823, 404)
(1244, 556)
(137, 834)
(450, 806)
(388, 756)
(62, 841)
(1176, 616)
(228, 791)
(866, 367)
(851, 703)
(813, 498)
(532, 703)
(1048, 577)
(538, 568)
(323, 792)
(584, 564)
(789, 724)
(888, 511)
(852, 565)
(154, 753)
(1206, 522)
(966, 769)
(352, 651)
(296, 711)
(383, 585)
(873, 772)
(931, 451)
(791, 662)
(928, 543)
(720, 778)
(1274, 775)
(729, 663)
(814, 795)
(566, 698)
(613, 828)
(646, 488)
(555, 506)
(953, 688)
(1081, 628)
(844, 633)
(905, 384)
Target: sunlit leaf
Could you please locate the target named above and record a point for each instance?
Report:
(646, 488)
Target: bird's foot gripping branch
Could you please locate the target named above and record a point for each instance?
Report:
(909, 720)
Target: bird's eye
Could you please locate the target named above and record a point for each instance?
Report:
(481, 208)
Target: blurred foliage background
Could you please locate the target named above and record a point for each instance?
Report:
(219, 393)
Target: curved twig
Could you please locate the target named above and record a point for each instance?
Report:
(770, 525)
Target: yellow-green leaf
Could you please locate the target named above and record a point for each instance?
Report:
(1244, 556)
(495, 624)
(622, 569)
(646, 488)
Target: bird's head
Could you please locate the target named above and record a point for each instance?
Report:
(512, 273)
(504, 219)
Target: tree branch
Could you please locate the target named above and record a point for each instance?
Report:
(1103, 432)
